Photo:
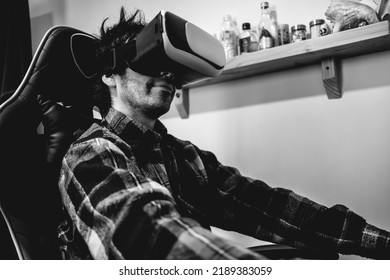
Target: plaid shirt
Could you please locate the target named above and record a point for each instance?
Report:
(134, 193)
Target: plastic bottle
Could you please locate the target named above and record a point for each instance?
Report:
(266, 40)
(274, 28)
(237, 31)
(283, 34)
(248, 39)
(229, 36)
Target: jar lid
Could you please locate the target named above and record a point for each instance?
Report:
(316, 22)
(227, 17)
(264, 5)
(284, 26)
(246, 26)
(298, 27)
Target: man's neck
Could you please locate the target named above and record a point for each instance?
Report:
(144, 121)
(137, 117)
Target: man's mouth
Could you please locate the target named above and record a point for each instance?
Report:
(164, 86)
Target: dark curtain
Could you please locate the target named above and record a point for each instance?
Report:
(15, 45)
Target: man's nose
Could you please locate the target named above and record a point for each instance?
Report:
(169, 76)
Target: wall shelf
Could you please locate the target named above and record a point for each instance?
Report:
(327, 51)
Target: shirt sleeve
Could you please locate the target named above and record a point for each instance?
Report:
(281, 216)
(120, 214)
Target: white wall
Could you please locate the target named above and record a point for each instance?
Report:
(88, 14)
(335, 151)
(289, 134)
(281, 127)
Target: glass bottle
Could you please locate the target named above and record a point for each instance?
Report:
(266, 40)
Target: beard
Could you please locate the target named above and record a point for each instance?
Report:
(155, 112)
(146, 98)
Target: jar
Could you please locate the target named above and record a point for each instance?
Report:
(318, 28)
(283, 34)
(298, 33)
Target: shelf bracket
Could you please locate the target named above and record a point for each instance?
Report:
(182, 103)
(331, 77)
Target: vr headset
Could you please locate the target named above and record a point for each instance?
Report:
(171, 44)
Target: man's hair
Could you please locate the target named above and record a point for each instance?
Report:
(110, 38)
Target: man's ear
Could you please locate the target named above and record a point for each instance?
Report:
(109, 80)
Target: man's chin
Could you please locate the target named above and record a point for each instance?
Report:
(157, 112)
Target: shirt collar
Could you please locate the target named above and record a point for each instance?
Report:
(131, 131)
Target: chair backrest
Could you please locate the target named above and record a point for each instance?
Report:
(55, 93)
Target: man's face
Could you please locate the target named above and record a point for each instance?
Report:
(151, 96)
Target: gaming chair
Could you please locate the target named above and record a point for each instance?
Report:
(36, 128)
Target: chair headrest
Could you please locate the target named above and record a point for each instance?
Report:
(63, 67)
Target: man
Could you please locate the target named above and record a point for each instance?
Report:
(133, 191)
